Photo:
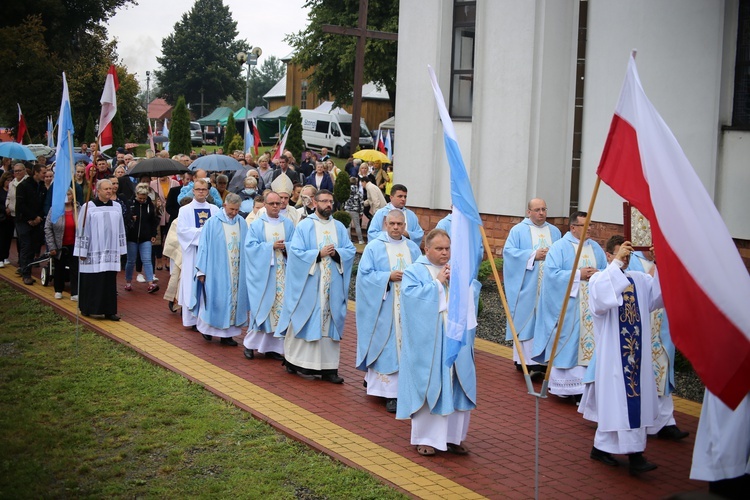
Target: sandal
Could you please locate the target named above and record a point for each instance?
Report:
(458, 449)
(426, 451)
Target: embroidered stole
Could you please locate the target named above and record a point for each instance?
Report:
(586, 339)
(540, 238)
(399, 258)
(658, 353)
(325, 233)
(273, 233)
(232, 239)
(630, 352)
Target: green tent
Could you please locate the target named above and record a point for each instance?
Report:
(271, 124)
(215, 117)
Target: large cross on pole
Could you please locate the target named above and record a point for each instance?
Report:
(362, 34)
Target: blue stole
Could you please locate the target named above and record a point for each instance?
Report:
(630, 348)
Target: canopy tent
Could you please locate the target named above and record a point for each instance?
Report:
(215, 117)
(271, 124)
(239, 115)
(327, 107)
(390, 123)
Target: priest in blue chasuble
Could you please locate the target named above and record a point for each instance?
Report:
(220, 295)
(622, 398)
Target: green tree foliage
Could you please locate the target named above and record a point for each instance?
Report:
(179, 133)
(333, 55)
(263, 78)
(201, 54)
(118, 134)
(89, 134)
(342, 187)
(343, 217)
(229, 132)
(41, 39)
(294, 142)
(235, 144)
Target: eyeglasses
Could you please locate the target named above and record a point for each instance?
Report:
(539, 209)
(273, 203)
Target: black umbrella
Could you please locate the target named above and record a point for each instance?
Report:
(158, 167)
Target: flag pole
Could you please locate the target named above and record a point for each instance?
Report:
(570, 284)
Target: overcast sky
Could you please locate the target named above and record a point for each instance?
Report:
(140, 29)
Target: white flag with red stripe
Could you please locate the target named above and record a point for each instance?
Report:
(21, 132)
(109, 109)
(704, 282)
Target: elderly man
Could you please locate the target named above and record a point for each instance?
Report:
(219, 299)
(282, 185)
(100, 242)
(622, 399)
(213, 193)
(379, 336)
(524, 254)
(266, 247)
(190, 222)
(19, 175)
(413, 230)
(306, 201)
(319, 267)
(437, 398)
(576, 346)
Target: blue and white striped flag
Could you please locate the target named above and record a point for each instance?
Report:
(64, 156)
(464, 238)
(165, 133)
(50, 133)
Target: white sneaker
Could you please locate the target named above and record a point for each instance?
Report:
(74, 298)
(2, 264)
(155, 279)
(140, 278)
(58, 295)
(6, 262)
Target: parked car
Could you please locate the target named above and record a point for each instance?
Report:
(196, 134)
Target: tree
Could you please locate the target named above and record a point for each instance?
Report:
(262, 80)
(118, 134)
(179, 134)
(342, 188)
(89, 134)
(229, 132)
(201, 56)
(332, 55)
(294, 142)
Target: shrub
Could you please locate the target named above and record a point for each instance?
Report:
(341, 188)
(343, 217)
(294, 142)
(485, 269)
(179, 131)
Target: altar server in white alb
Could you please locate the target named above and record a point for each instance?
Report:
(220, 297)
(379, 331)
(100, 241)
(319, 268)
(190, 223)
(437, 398)
(266, 248)
(622, 399)
(524, 255)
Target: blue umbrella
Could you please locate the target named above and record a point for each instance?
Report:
(215, 163)
(16, 151)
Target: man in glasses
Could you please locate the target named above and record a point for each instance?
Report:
(576, 345)
(266, 247)
(524, 254)
(190, 223)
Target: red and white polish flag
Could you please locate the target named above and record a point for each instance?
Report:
(705, 285)
(21, 126)
(109, 109)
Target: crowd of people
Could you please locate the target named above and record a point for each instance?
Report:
(256, 254)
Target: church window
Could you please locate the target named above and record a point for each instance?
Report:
(741, 106)
(462, 65)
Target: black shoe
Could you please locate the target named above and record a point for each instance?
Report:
(638, 463)
(290, 368)
(194, 328)
(536, 375)
(391, 405)
(228, 341)
(274, 355)
(249, 354)
(208, 338)
(28, 280)
(364, 384)
(673, 433)
(332, 378)
(170, 304)
(603, 457)
(577, 399)
(112, 317)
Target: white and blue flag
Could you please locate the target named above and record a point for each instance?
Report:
(64, 156)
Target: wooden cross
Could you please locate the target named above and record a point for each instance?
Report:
(362, 34)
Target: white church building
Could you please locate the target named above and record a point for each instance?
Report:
(532, 87)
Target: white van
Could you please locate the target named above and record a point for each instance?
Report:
(332, 131)
(196, 134)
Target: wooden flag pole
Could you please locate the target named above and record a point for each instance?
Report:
(570, 283)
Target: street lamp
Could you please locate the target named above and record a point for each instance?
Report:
(251, 60)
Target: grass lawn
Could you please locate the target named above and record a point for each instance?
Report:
(83, 416)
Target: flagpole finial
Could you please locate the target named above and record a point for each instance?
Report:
(633, 53)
